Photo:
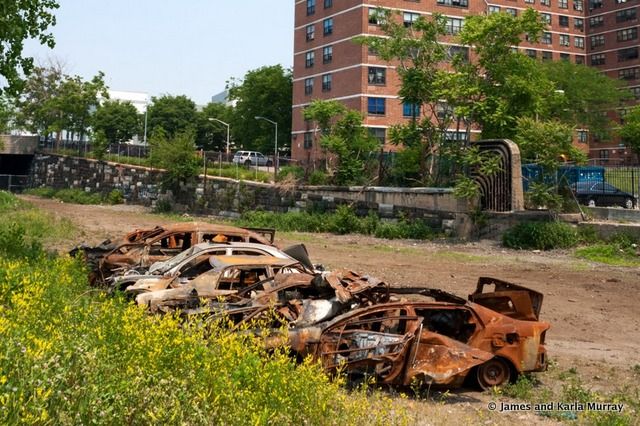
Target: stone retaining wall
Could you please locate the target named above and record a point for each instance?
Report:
(229, 197)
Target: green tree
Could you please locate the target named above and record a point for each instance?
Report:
(344, 136)
(117, 120)
(212, 135)
(583, 93)
(173, 114)
(630, 130)
(21, 20)
(420, 61)
(7, 113)
(176, 155)
(500, 84)
(262, 92)
(38, 109)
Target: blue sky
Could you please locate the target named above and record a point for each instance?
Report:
(169, 46)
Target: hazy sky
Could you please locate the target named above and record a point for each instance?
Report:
(189, 47)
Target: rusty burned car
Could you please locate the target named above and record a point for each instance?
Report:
(227, 275)
(489, 339)
(139, 249)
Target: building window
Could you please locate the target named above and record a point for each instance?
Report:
(454, 3)
(311, 32)
(545, 2)
(628, 34)
(579, 59)
(328, 4)
(563, 20)
(532, 53)
(371, 51)
(327, 54)
(454, 25)
(379, 133)
(374, 18)
(627, 54)
(595, 4)
(308, 86)
(547, 56)
(623, 1)
(578, 42)
(494, 9)
(308, 140)
(326, 82)
(410, 110)
(377, 75)
(629, 73)
(546, 38)
(636, 92)
(604, 154)
(511, 11)
(327, 26)
(460, 52)
(309, 59)
(564, 40)
(546, 18)
(583, 136)
(626, 15)
(578, 23)
(565, 56)
(596, 21)
(578, 5)
(597, 40)
(450, 136)
(563, 4)
(409, 18)
(311, 7)
(376, 106)
(530, 1)
(598, 59)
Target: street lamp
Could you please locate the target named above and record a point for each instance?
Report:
(275, 154)
(228, 127)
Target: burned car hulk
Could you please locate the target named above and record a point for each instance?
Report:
(490, 338)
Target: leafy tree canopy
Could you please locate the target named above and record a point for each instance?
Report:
(173, 114)
(21, 20)
(176, 155)
(212, 135)
(265, 92)
(344, 136)
(630, 130)
(117, 120)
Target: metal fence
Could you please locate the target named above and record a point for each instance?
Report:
(14, 183)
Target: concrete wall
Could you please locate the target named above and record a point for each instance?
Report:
(229, 197)
(24, 145)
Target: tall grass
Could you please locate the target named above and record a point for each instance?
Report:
(68, 355)
(78, 196)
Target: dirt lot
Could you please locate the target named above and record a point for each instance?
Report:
(594, 309)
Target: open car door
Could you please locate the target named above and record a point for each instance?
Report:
(508, 299)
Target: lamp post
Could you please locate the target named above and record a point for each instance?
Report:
(228, 128)
(275, 153)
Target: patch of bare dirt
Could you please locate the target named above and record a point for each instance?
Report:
(594, 309)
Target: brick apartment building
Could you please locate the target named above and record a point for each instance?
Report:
(329, 65)
(613, 48)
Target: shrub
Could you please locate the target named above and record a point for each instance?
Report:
(78, 196)
(318, 177)
(14, 244)
(45, 192)
(344, 221)
(540, 236)
(163, 205)
(114, 197)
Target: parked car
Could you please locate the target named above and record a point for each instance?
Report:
(492, 337)
(602, 194)
(251, 158)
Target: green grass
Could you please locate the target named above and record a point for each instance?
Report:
(36, 225)
(610, 254)
(78, 196)
(239, 172)
(462, 257)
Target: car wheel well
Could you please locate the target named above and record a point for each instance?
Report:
(474, 374)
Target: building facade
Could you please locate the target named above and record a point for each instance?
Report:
(328, 64)
(613, 48)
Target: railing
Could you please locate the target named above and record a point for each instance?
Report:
(14, 183)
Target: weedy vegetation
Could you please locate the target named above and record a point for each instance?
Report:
(78, 196)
